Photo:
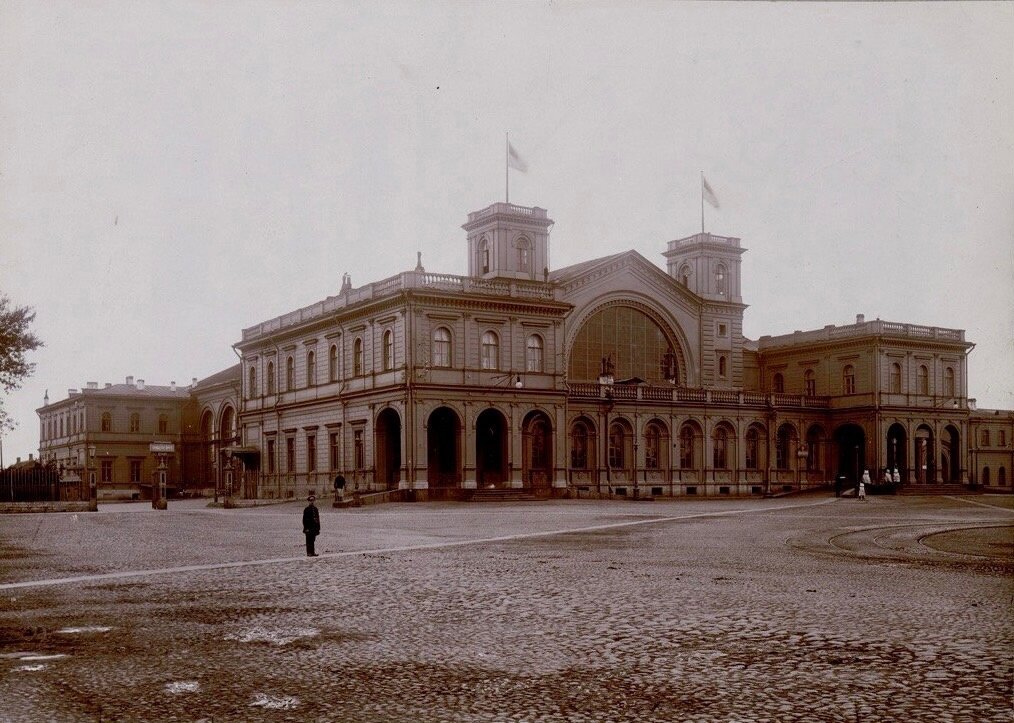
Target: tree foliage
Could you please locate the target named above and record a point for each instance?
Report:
(16, 340)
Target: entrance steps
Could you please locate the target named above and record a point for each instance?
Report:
(512, 494)
(934, 489)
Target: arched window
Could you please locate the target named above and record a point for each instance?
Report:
(985, 475)
(720, 442)
(687, 460)
(751, 448)
(524, 255)
(441, 347)
(721, 279)
(985, 438)
(810, 383)
(1001, 478)
(923, 379)
(163, 424)
(949, 382)
(388, 350)
(626, 335)
(290, 374)
(848, 379)
(332, 363)
(814, 443)
(483, 256)
(896, 378)
(684, 275)
(490, 351)
(357, 357)
(617, 446)
(135, 422)
(722, 366)
(107, 422)
(533, 358)
(271, 377)
(783, 446)
(779, 385)
(654, 446)
(252, 383)
(311, 368)
(579, 445)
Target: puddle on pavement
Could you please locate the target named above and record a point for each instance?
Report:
(281, 636)
(84, 629)
(282, 702)
(182, 686)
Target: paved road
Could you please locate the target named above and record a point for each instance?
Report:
(802, 608)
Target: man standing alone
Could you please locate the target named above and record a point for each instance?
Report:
(311, 525)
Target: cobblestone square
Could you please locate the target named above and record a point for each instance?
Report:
(800, 608)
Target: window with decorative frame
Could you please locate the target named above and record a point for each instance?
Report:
(752, 443)
(106, 467)
(290, 374)
(388, 350)
(949, 382)
(720, 442)
(895, 378)
(290, 454)
(163, 424)
(332, 363)
(135, 422)
(359, 447)
(357, 357)
(779, 383)
(441, 354)
(533, 359)
(490, 351)
(810, 383)
(271, 378)
(107, 422)
(687, 460)
(848, 375)
(922, 378)
(524, 255)
(311, 452)
(617, 446)
(579, 441)
(311, 368)
(335, 450)
(251, 386)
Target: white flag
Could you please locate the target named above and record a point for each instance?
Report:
(709, 195)
(514, 160)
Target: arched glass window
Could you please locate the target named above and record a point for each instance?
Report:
(524, 255)
(332, 363)
(723, 366)
(357, 357)
(779, 385)
(721, 279)
(311, 368)
(252, 383)
(923, 379)
(107, 422)
(490, 351)
(290, 374)
(617, 446)
(810, 383)
(388, 350)
(684, 275)
(985, 475)
(751, 448)
(654, 446)
(135, 422)
(783, 447)
(896, 378)
(720, 442)
(687, 460)
(579, 445)
(848, 380)
(533, 358)
(949, 382)
(163, 424)
(271, 377)
(483, 256)
(441, 347)
(626, 335)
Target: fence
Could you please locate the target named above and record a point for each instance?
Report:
(34, 482)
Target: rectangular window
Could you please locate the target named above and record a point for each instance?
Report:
(333, 446)
(723, 330)
(290, 454)
(135, 470)
(311, 453)
(359, 449)
(107, 470)
(1003, 438)
(271, 456)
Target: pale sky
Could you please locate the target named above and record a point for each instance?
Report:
(172, 172)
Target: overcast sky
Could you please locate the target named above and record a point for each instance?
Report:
(172, 172)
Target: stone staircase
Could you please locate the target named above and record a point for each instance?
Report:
(504, 495)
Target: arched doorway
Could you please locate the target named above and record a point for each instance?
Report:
(387, 450)
(850, 439)
(925, 467)
(897, 449)
(443, 435)
(950, 455)
(490, 449)
(537, 457)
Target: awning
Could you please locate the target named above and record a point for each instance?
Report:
(243, 452)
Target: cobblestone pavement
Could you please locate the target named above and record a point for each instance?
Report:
(796, 609)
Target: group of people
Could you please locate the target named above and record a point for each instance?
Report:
(890, 478)
(311, 515)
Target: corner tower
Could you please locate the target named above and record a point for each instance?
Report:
(708, 265)
(506, 240)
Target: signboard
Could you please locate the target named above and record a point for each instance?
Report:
(162, 448)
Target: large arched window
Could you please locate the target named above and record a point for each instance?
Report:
(490, 351)
(332, 363)
(441, 347)
(580, 445)
(627, 336)
(896, 378)
(687, 447)
(720, 443)
(524, 255)
(271, 377)
(779, 383)
(922, 379)
(388, 350)
(949, 382)
(656, 446)
(810, 383)
(783, 446)
(533, 355)
(252, 383)
(752, 444)
(617, 445)
(848, 379)
(357, 357)
(311, 368)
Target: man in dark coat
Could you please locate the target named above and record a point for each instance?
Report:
(311, 525)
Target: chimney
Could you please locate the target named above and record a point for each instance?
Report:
(860, 318)
(193, 381)
(130, 381)
(172, 386)
(140, 385)
(93, 385)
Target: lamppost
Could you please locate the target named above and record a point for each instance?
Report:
(93, 496)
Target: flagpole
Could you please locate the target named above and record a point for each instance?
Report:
(702, 201)
(507, 166)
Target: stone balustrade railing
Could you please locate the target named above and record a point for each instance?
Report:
(876, 327)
